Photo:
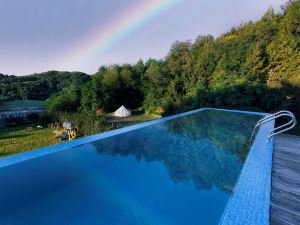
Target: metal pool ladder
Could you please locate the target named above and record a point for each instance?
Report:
(277, 130)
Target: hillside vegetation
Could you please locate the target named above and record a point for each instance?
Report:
(255, 66)
(38, 86)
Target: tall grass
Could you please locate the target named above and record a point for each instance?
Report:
(14, 139)
(87, 124)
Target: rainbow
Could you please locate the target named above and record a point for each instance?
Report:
(102, 39)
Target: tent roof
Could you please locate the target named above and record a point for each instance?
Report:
(122, 112)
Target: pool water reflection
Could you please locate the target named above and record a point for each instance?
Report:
(180, 171)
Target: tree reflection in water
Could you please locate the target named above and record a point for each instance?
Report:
(206, 148)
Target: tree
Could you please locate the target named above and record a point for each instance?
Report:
(253, 66)
(269, 14)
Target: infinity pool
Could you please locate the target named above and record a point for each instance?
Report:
(180, 171)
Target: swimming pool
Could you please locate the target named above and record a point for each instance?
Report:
(185, 169)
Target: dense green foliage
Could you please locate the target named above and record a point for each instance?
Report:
(38, 86)
(255, 66)
(247, 96)
(87, 124)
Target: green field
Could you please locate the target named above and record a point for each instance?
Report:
(15, 140)
(21, 103)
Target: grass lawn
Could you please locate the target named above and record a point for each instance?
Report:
(14, 139)
(129, 120)
(21, 103)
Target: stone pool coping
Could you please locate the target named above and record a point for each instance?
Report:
(250, 201)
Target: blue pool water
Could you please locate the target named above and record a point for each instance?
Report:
(181, 171)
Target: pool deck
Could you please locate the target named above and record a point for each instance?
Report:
(285, 193)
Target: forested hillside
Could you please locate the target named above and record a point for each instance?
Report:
(255, 66)
(38, 86)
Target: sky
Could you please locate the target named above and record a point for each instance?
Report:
(81, 35)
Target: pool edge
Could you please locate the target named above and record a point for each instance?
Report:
(250, 201)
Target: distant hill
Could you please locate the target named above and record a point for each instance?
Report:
(38, 86)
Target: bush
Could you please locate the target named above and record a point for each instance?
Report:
(247, 96)
(87, 124)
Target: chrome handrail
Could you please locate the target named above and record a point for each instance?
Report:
(276, 130)
(293, 121)
(270, 117)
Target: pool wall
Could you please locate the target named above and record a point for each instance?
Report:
(250, 201)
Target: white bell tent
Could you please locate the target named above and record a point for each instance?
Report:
(122, 112)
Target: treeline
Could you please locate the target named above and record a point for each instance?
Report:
(255, 66)
(38, 86)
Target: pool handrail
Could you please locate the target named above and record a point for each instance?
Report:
(272, 115)
(277, 130)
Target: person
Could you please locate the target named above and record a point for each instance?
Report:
(58, 133)
(67, 124)
(69, 128)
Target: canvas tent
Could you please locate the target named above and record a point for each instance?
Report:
(122, 112)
